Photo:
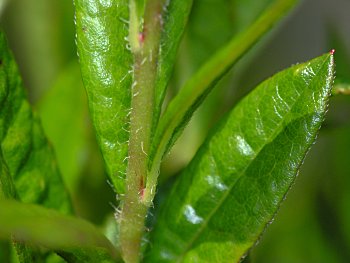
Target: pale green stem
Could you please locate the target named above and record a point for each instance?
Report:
(145, 52)
(134, 25)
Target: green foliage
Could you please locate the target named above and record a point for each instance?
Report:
(105, 65)
(134, 56)
(25, 150)
(237, 180)
(71, 237)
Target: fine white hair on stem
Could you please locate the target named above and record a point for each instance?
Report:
(112, 186)
(144, 61)
(143, 149)
(124, 20)
(113, 206)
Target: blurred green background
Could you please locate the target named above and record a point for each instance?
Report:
(313, 224)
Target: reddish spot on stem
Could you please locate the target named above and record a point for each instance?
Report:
(142, 193)
(141, 37)
(142, 189)
(332, 51)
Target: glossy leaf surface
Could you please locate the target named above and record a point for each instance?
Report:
(73, 237)
(25, 149)
(234, 185)
(191, 96)
(106, 66)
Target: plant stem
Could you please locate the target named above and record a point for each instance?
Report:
(145, 52)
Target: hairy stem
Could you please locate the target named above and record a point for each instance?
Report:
(145, 53)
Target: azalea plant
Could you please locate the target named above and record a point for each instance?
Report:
(217, 207)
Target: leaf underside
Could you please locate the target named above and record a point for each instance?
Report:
(233, 187)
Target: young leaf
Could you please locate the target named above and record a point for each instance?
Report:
(234, 185)
(106, 65)
(181, 108)
(25, 150)
(73, 237)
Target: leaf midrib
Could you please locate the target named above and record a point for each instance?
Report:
(241, 174)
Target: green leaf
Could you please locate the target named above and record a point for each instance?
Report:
(72, 237)
(25, 150)
(63, 111)
(7, 189)
(233, 187)
(174, 23)
(211, 25)
(106, 69)
(181, 108)
(5, 252)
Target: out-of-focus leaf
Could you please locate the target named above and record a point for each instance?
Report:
(25, 150)
(5, 251)
(41, 34)
(213, 23)
(106, 66)
(72, 237)
(63, 111)
(233, 187)
(181, 108)
(341, 88)
(342, 82)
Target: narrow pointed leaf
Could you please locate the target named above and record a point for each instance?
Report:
(234, 185)
(190, 97)
(25, 149)
(175, 19)
(106, 64)
(48, 228)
